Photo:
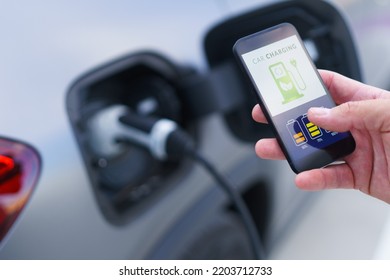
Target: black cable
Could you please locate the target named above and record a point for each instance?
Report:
(176, 144)
(238, 203)
(180, 144)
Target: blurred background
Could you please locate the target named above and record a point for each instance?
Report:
(46, 46)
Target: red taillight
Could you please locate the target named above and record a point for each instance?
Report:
(6, 164)
(19, 172)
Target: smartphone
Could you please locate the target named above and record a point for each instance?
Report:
(287, 84)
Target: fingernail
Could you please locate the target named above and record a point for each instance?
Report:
(319, 111)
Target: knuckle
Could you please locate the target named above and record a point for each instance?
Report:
(349, 107)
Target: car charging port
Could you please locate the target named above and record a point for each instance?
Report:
(125, 176)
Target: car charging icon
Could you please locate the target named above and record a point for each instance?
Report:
(286, 81)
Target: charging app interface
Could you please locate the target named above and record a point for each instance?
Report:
(289, 87)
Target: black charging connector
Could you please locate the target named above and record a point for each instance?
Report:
(165, 140)
(178, 144)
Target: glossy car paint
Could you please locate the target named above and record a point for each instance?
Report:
(46, 45)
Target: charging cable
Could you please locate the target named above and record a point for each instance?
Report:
(165, 140)
(301, 84)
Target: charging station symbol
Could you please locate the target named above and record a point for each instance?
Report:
(313, 130)
(296, 132)
(284, 82)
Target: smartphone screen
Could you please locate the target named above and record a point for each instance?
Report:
(287, 85)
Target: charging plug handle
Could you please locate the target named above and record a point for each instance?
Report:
(164, 138)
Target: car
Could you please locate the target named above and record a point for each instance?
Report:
(63, 63)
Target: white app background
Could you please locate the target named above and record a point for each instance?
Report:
(285, 79)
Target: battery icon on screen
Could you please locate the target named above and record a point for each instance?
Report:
(296, 132)
(313, 130)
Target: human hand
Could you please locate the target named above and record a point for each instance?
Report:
(365, 112)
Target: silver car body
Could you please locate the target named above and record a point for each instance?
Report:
(46, 45)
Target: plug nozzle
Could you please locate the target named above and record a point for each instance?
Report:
(161, 136)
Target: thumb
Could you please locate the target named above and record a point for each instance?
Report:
(368, 114)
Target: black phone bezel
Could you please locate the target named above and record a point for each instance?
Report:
(320, 157)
